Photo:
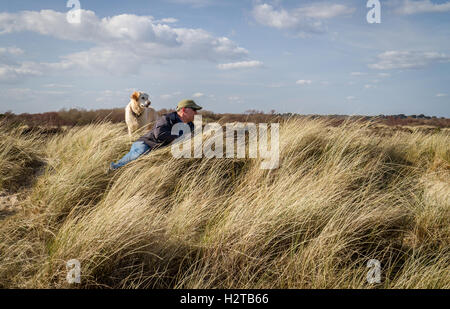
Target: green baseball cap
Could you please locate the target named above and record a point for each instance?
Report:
(188, 103)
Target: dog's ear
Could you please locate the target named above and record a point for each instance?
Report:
(135, 95)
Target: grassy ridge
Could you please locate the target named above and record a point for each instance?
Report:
(20, 155)
(342, 196)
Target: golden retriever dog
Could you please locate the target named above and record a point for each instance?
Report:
(138, 112)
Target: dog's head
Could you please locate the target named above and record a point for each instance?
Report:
(142, 98)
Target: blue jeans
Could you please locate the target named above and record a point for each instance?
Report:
(137, 149)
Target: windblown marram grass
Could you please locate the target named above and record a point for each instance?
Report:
(341, 196)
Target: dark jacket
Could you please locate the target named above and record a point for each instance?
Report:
(161, 134)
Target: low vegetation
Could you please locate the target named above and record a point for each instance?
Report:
(343, 194)
(79, 117)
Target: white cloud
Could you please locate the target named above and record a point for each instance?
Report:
(350, 98)
(276, 85)
(12, 73)
(357, 74)
(304, 82)
(122, 43)
(7, 55)
(170, 96)
(194, 3)
(266, 15)
(198, 95)
(303, 20)
(105, 59)
(11, 50)
(165, 96)
(169, 20)
(235, 99)
(407, 60)
(325, 10)
(409, 7)
(58, 86)
(240, 65)
(124, 28)
(52, 92)
(109, 95)
(369, 86)
(384, 74)
(11, 92)
(441, 95)
(27, 93)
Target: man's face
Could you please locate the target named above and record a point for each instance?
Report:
(189, 113)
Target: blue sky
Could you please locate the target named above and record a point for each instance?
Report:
(308, 57)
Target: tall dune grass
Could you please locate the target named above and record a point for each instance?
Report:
(341, 197)
(20, 155)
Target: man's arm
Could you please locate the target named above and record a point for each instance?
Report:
(163, 134)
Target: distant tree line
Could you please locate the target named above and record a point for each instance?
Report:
(79, 117)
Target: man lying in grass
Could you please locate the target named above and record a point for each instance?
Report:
(160, 135)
